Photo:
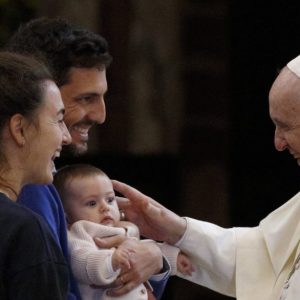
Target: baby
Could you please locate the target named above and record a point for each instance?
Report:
(92, 211)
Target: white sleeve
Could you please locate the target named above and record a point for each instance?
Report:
(212, 250)
(246, 263)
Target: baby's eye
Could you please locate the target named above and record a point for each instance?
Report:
(91, 203)
(110, 199)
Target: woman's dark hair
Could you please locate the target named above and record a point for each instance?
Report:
(21, 85)
(22, 89)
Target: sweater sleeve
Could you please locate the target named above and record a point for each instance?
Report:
(171, 254)
(90, 264)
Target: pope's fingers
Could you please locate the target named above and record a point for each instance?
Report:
(128, 191)
(124, 188)
(133, 195)
(123, 203)
(122, 200)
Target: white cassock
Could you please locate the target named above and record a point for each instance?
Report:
(258, 263)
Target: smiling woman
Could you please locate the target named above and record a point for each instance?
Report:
(47, 137)
(32, 133)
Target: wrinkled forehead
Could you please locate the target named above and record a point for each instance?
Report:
(284, 98)
(286, 87)
(287, 81)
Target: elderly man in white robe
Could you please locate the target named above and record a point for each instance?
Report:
(261, 263)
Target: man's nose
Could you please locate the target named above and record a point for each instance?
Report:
(279, 140)
(98, 112)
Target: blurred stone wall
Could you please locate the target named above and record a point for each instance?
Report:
(167, 106)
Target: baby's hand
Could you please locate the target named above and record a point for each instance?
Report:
(121, 259)
(184, 264)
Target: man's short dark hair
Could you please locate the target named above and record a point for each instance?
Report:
(61, 46)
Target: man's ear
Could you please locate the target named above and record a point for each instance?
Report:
(16, 127)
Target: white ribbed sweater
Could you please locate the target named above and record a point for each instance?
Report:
(92, 265)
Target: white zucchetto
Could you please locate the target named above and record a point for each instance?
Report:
(294, 66)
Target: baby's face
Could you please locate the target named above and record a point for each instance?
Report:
(92, 198)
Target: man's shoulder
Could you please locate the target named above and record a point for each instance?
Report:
(44, 200)
(38, 192)
(37, 189)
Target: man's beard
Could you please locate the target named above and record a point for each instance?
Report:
(74, 150)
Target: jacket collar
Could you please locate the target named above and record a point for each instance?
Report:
(281, 230)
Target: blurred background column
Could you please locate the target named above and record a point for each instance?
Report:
(85, 13)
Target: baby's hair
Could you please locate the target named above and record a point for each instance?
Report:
(65, 174)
